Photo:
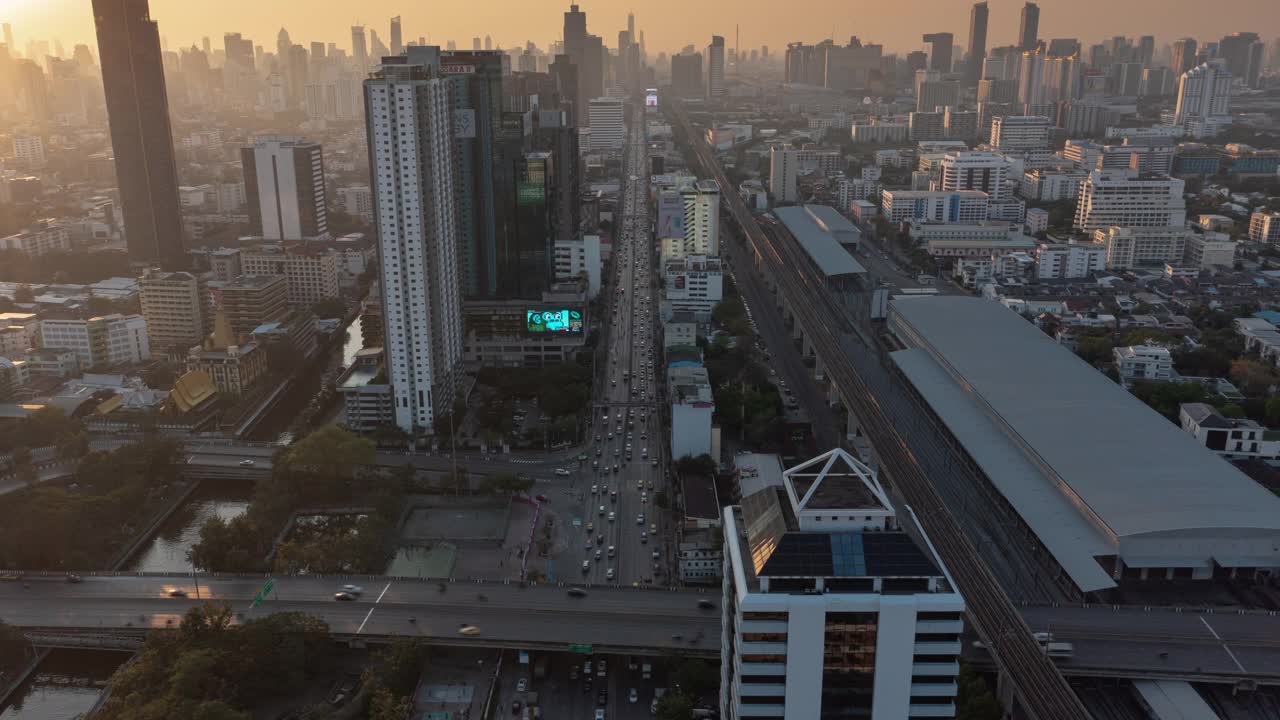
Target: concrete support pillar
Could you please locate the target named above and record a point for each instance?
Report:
(819, 370)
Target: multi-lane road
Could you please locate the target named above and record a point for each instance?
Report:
(623, 619)
(621, 537)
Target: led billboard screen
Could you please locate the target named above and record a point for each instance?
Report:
(554, 321)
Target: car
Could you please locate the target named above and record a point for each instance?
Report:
(595, 463)
(468, 630)
(706, 604)
(616, 468)
(644, 496)
(653, 527)
(540, 498)
(522, 685)
(246, 463)
(640, 519)
(612, 516)
(611, 551)
(602, 697)
(562, 472)
(341, 596)
(600, 667)
(598, 556)
(515, 707)
(609, 575)
(591, 527)
(601, 511)
(353, 589)
(595, 489)
(599, 714)
(74, 579)
(655, 554)
(577, 592)
(633, 696)
(586, 566)
(599, 538)
(654, 463)
(644, 537)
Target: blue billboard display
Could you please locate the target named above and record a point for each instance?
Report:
(554, 321)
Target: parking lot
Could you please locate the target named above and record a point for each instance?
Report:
(562, 692)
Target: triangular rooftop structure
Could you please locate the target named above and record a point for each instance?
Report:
(834, 480)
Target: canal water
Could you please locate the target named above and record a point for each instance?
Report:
(167, 551)
(65, 685)
(306, 386)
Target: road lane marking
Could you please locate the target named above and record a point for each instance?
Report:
(1218, 637)
(375, 607)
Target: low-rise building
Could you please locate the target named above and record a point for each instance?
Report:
(701, 556)
(253, 300)
(175, 306)
(367, 402)
(100, 341)
(1070, 260)
(1143, 362)
(312, 272)
(19, 332)
(51, 362)
(1232, 438)
(232, 367)
(13, 375)
(46, 236)
(694, 284)
(965, 207)
(1208, 250)
(680, 330)
(1128, 247)
(692, 406)
(580, 258)
(520, 333)
(1264, 227)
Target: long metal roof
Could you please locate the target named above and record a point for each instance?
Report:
(823, 248)
(1110, 455)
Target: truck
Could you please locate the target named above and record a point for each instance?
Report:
(1060, 650)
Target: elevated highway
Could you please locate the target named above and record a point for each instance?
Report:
(850, 362)
(112, 611)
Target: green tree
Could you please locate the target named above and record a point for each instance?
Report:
(974, 700)
(24, 294)
(1231, 410)
(1253, 377)
(330, 452)
(1094, 350)
(330, 308)
(695, 677)
(675, 706)
(1273, 411)
(15, 649)
(1148, 336)
(386, 705)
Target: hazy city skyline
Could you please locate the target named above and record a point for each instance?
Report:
(668, 25)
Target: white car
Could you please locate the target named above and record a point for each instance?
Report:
(353, 589)
(562, 471)
(633, 696)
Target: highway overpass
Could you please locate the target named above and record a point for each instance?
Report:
(1108, 641)
(610, 619)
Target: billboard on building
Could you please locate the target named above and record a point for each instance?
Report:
(553, 321)
(651, 97)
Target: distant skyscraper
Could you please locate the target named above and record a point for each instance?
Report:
(1184, 55)
(8, 38)
(284, 185)
(940, 45)
(397, 39)
(686, 74)
(410, 121)
(141, 138)
(715, 67)
(488, 43)
(1029, 27)
(1243, 53)
(977, 44)
(359, 50)
(475, 43)
(1204, 99)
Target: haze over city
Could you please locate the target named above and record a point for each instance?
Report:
(669, 24)
(395, 360)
